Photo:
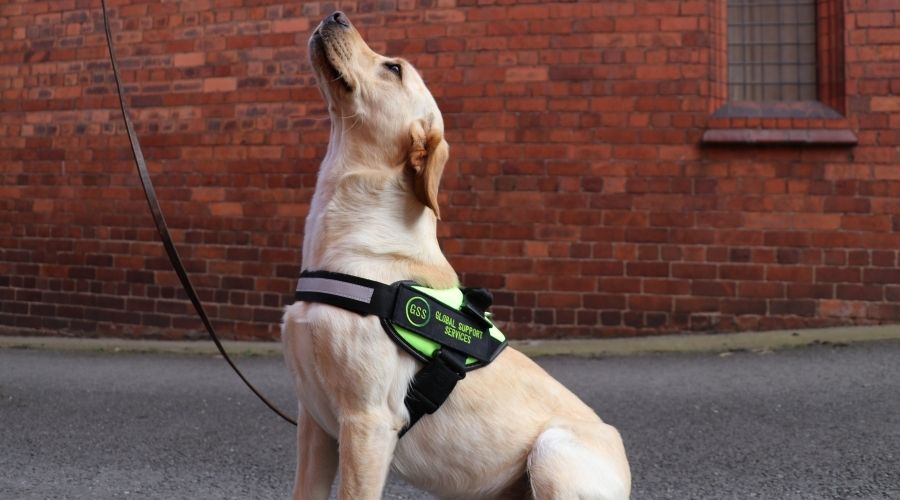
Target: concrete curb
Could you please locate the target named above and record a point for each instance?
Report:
(723, 342)
(751, 341)
(115, 345)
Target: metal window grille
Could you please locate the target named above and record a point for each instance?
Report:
(771, 50)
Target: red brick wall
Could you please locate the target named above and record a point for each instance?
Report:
(578, 188)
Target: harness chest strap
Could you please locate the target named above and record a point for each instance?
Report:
(446, 329)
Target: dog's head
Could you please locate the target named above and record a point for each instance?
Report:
(380, 106)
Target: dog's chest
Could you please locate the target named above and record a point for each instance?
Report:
(343, 357)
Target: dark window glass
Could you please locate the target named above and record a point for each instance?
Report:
(771, 50)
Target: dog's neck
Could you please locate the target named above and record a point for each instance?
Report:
(364, 220)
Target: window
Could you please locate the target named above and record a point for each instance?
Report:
(777, 73)
(771, 50)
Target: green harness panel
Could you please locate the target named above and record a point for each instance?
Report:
(425, 347)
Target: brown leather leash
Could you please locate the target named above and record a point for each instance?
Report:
(163, 229)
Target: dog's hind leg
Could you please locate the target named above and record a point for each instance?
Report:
(579, 461)
(317, 460)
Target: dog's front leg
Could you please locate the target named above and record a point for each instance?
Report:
(367, 442)
(317, 460)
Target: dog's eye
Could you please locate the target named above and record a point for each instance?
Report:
(394, 68)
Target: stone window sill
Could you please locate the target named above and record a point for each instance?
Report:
(802, 122)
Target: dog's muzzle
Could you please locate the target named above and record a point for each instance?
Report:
(322, 49)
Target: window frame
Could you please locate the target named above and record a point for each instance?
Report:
(822, 121)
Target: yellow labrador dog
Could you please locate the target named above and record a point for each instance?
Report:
(508, 430)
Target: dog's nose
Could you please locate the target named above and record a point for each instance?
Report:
(339, 18)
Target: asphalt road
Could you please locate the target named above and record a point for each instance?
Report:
(817, 422)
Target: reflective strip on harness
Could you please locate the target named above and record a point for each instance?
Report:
(334, 287)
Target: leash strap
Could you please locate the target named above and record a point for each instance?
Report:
(402, 305)
(163, 229)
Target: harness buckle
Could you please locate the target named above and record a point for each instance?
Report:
(452, 360)
(433, 384)
(476, 301)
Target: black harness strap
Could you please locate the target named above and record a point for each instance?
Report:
(432, 385)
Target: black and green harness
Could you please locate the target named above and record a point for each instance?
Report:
(447, 329)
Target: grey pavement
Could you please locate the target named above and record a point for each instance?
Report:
(812, 422)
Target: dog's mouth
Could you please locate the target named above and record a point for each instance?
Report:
(322, 59)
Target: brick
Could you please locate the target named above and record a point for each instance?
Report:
(793, 307)
(871, 293)
(881, 275)
(220, 84)
(225, 209)
(679, 24)
(837, 275)
(788, 256)
(603, 268)
(808, 290)
(848, 205)
(713, 288)
(885, 104)
(559, 300)
(707, 271)
(649, 303)
(658, 72)
(882, 311)
(741, 272)
(842, 309)
(659, 269)
(528, 74)
(208, 194)
(189, 59)
(697, 304)
(744, 306)
(604, 301)
(666, 287)
(883, 258)
(642, 24)
(619, 285)
(835, 257)
(611, 318)
(880, 224)
(760, 290)
(296, 25)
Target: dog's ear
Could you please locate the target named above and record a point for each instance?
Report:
(428, 153)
